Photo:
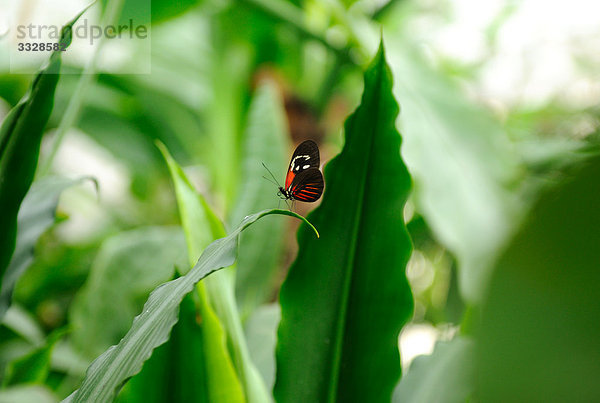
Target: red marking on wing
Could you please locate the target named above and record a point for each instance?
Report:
(307, 193)
(289, 178)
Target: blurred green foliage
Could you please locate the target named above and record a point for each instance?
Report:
(501, 214)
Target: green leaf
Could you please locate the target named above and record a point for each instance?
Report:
(261, 333)
(262, 245)
(20, 137)
(346, 296)
(176, 370)
(230, 72)
(24, 324)
(445, 376)
(127, 267)
(36, 215)
(539, 339)
(152, 326)
(462, 164)
(33, 367)
(201, 226)
(139, 10)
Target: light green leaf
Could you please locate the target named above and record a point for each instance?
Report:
(462, 164)
(261, 333)
(27, 394)
(151, 328)
(346, 296)
(24, 324)
(261, 246)
(201, 226)
(445, 376)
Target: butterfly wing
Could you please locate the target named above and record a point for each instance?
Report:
(307, 186)
(305, 156)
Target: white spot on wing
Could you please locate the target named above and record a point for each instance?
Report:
(306, 167)
(293, 166)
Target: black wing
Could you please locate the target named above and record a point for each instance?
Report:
(308, 185)
(305, 156)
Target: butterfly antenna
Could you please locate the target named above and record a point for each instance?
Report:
(271, 173)
(270, 180)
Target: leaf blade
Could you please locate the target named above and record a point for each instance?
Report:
(20, 138)
(260, 246)
(444, 376)
(152, 326)
(367, 186)
(201, 226)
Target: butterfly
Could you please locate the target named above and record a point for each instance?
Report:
(304, 181)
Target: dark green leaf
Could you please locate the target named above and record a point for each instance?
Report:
(35, 216)
(261, 246)
(445, 376)
(151, 328)
(539, 338)
(20, 138)
(346, 296)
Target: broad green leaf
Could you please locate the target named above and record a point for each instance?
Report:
(36, 215)
(346, 296)
(176, 372)
(127, 267)
(539, 339)
(20, 137)
(201, 226)
(152, 326)
(462, 164)
(445, 376)
(261, 246)
(34, 366)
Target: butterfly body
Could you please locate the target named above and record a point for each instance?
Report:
(304, 181)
